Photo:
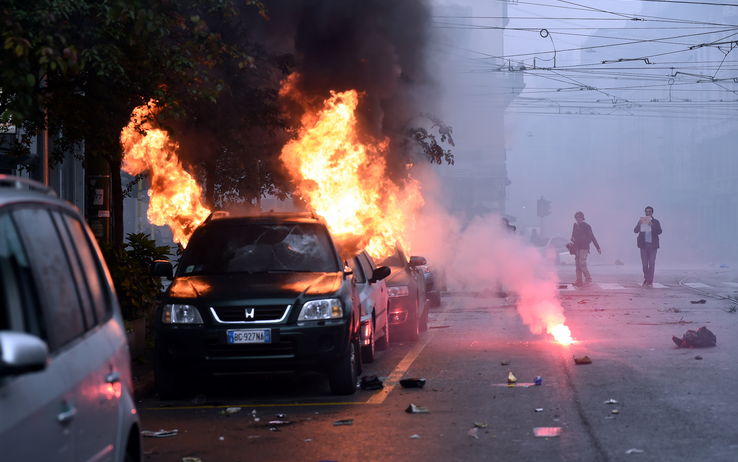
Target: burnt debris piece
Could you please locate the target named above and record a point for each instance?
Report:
(700, 338)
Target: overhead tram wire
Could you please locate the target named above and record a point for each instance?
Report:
(692, 2)
(609, 45)
(538, 18)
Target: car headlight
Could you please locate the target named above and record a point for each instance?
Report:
(314, 310)
(180, 314)
(398, 291)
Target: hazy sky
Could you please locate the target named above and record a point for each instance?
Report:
(640, 110)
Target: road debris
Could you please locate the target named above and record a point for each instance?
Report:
(480, 424)
(505, 362)
(701, 301)
(473, 432)
(344, 422)
(415, 437)
(634, 451)
(511, 379)
(280, 423)
(611, 401)
(438, 327)
(700, 338)
(307, 440)
(698, 357)
(230, 410)
(538, 380)
(546, 432)
(371, 382)
(191, 459)
(159, 434)
(412, 383)
(538, 409)
(413, 409)
(280, 416)
(582, 360)
(615, 411)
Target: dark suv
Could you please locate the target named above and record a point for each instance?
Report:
(265, 293)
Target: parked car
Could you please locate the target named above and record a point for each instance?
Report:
(554, 249)
(432, 285)
(374, 302)
(407, 298)
(66, 391)
(264, 293)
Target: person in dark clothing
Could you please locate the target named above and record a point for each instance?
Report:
(581, 237)
(648, 229)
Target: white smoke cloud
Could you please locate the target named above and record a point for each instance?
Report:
(483, 255)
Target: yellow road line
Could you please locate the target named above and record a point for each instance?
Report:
(403, 366)
(223, 406)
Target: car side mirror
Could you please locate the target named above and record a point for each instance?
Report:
(417, 261)
(162, 268)
(380, 273)
(21, 353)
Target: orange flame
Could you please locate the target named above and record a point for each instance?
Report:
(342, 175)
(175, 195)
(561, 334)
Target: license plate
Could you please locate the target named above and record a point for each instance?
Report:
(250, 336)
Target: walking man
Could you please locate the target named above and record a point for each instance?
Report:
(648, 229)
(581, 237)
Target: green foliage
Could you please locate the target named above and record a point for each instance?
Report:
(130, 269)
(426, 141)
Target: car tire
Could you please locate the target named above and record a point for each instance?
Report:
(170, 383)
(435, 298)
(383, 342)
(368, 352)
(413, 327)
(343, 375)
(424, 320)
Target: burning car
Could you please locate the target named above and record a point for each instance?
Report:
(407, 298)
(374, 304)
(264, 293)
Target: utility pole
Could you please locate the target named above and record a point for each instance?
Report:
(543, 209)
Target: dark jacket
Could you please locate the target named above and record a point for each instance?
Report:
(655, 231)
(582, 236)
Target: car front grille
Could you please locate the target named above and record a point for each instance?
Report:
(249, 314)
(281, 349)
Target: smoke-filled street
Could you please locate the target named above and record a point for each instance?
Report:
(368, 230)
(669, 403)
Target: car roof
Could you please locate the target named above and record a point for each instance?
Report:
(16, 190)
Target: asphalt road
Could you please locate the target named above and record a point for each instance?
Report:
(670, 405)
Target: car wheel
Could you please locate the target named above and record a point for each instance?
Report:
(383, 342)
(413, 327)
(133, 448)
(368, 352)
(343, 375)
(170, 383)
(435, 299)
(424, 320)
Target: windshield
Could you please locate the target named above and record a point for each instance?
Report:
(256, 248)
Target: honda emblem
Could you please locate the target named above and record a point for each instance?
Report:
(249, 313)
